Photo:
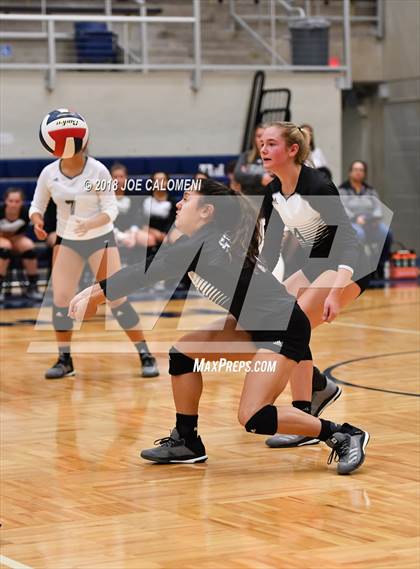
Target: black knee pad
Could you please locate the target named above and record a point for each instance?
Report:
(29, 254)
(307, 354)
(5, 253)
(263, 422)
(125, 315)
(179, 363)
(61, 322)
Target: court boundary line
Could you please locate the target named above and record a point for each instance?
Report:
(378, 328)
(12, 564)
(379, 307)
(196, 311)
(328, 372)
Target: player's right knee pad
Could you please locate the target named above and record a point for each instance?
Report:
(61, 322)
(5, 253)
(125, 315)
(263, 422)
(179, 363)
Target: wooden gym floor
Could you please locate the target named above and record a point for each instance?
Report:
(76, 494)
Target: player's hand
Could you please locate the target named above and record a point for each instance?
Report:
(39, 231)
(82, 227)
(361, 220)
(331, 308)
(82, 304)
(129, 240)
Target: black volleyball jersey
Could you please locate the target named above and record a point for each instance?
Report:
(316, 221)
(249, 292)
(13, 227)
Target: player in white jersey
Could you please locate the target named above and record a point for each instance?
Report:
(81, 187)
(335, 272)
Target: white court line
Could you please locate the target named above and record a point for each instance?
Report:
(369, 327)
(12, 564)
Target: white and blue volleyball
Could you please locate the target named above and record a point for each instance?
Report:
(63, 133)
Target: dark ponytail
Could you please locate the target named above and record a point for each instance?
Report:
(235, 215)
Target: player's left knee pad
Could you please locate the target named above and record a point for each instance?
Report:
(263, 422)
(29, 254)
(125, 315)
(179, 363)
(61, 322)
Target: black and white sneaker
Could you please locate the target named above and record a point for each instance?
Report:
(174, 450)
(149, 366)
(320, 401)
(348, 448)
(62, 368)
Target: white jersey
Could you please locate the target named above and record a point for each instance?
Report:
(77, 198)
(301, 219)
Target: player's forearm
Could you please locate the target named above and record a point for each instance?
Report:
(342, 280)
(37, 218)
(98, 220)
(97, 294)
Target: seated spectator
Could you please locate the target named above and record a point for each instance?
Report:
(316, 158)
(14, 222)
(50, 225)
(364, 210)
(249, 170)
(126, 229)
(230, 173)
(201, 176)
(157, 214)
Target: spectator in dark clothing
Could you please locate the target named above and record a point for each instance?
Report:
(363, 207)
(230, 173)
(50, 226)
(126, 226)
(14, 222)
(201, 176)
(249, 170)
(316, 158)
(156, 215)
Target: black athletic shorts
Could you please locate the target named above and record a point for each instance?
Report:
(313, 270)
(86, 247)
(292, 343)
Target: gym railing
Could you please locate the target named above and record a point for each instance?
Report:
(132, 52)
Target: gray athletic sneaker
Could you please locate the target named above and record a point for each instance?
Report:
(348, 448)
(149, 366)
(62, 368)
(173, 450)
(290, 441)
(320, 401)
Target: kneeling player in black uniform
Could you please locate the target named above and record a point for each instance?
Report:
(221, 239)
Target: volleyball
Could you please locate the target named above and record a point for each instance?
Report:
(63, 133)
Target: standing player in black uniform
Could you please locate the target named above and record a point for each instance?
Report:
(14, 222)
(220, 246)
(335, 272)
